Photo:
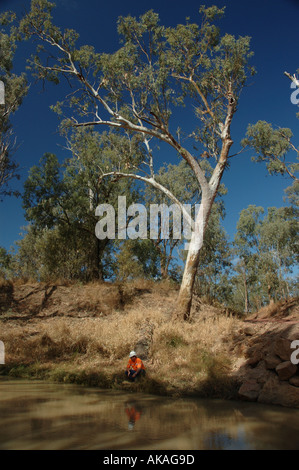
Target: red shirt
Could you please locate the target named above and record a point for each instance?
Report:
(138, 364)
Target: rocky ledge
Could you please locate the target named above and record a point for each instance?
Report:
(267, 368)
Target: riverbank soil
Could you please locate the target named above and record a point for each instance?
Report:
(78, 333)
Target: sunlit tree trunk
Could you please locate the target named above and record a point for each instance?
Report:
(209, 192)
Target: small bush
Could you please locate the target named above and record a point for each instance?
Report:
(26, 371)
(175, 341)
(213, 365)
(80, 377)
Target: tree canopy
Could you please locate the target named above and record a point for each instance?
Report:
(15, 88)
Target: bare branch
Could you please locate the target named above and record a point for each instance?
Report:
(293, 78)
(156, 185)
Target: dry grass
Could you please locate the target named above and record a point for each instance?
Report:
(282, 308)
(4, 283)
(183, 357)
(191, 353)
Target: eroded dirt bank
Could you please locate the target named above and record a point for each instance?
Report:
(83, 333)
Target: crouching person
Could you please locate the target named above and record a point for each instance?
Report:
(135, 367)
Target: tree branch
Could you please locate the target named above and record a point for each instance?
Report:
(293, 78)
(156, 185)
(200, 93)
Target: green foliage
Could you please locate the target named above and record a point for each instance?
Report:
(48, 255)
(246, 236)
(292, 193)
(15, 90)
(43, 191)
(271, 146)
(267, 250)
(5, 262)
(88, 378)
(175, 341)
(60, 201)
(154, 69)
(136, 259)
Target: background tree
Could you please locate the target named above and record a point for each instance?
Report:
(267, 253)
(136, 259)
(279, 246)
(5, 263)
(246, 243)
(63, 196)
(273, 146)
(15, 88)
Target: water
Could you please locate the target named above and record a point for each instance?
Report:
(42, 416)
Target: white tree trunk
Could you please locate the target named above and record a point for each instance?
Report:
(183, 308)
(209, 192)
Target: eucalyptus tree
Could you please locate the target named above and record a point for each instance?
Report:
(247, 250)
(292, 193)
(136, 259)
(158, 79)
(62, 196)
(279, 245)
(5, 262)
(54, 254)
(58, 242)
(13, 88)
(267, 249)
(273, 146)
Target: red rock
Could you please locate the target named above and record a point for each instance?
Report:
(259, 373)
(279, 393)
(272, 361)
(292, 333)
(282, 348)
(295, 381)
(286, 370)
(249, 390)
(249, 331)
(254, 359)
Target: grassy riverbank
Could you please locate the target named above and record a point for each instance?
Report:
(83, 333)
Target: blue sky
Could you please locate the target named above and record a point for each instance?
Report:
(273, 27)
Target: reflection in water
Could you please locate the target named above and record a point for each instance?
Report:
(133, 411)
(37, 415)
(226, 440)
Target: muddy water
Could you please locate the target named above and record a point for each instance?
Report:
(40, 416)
